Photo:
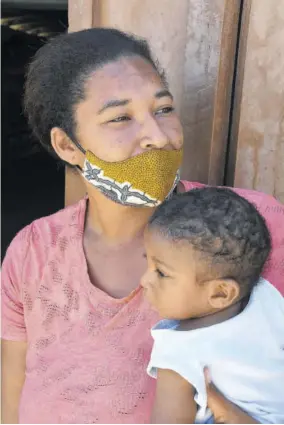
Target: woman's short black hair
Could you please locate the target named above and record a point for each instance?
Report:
(57, 74)
(227, 231)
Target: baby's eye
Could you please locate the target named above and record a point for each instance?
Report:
(160, 273)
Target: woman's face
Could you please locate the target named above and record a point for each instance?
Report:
(127, 110)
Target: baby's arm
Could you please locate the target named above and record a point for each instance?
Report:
(174, 401)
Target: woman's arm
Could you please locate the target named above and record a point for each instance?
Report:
(13, 365)
(223, 410)
(174, 401)
(14, 335)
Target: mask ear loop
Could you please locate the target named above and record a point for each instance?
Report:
(77, 144)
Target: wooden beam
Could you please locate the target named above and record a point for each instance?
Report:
(223, 93)
(238, 93)
(80, 14)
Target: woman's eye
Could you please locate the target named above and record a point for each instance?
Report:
(120, 119)
(160, 273)
(165, 111)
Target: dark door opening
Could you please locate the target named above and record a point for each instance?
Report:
(32, 181)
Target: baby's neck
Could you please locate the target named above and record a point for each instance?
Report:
(214, 318)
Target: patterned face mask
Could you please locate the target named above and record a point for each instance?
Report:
(144, 180)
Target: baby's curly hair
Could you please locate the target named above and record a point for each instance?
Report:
(228, 234)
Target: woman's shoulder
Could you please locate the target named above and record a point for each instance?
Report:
(267, 204)
(47, 232)
(65, 218)
(249, 194)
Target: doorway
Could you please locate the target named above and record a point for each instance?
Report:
(32, 181)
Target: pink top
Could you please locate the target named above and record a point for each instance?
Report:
(88, 352)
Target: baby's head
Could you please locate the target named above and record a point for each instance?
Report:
(206, 250)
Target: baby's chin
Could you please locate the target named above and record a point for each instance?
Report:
(167, 314)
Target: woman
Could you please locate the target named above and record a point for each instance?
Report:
(76, 337)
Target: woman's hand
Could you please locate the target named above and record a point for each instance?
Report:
(223, 410)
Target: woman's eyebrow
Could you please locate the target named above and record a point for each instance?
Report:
(122, 102)
(113, 104)
(164, 93)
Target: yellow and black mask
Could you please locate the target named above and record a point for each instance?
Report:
(145, 180)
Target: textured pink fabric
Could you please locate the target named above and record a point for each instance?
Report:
(87, 352)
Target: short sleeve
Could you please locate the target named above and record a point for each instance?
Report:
(168, 353)
(13, 322)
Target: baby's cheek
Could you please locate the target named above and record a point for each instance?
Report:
(165, 297)
(178, 302)
(148, 292)
(157, 296)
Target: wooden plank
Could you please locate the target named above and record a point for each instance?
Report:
(80, 14)
(187, 36)
(257, 145)
(223, 93)
(238, 90)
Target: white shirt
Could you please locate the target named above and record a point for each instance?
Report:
(245, 355)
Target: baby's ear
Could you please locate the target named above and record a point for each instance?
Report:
(223, 293)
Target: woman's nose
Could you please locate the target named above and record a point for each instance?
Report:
(153, 136)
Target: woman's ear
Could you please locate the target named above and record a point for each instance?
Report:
(65, 148)
(223, 293)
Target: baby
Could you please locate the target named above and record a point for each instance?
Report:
(206, 250)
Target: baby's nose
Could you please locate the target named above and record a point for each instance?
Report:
(143, 282)
(146, 279)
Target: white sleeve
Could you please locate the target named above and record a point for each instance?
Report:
(170, 353)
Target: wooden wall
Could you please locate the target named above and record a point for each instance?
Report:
(257, 143)
(195, 42)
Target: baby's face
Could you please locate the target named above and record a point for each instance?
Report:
(170, 280)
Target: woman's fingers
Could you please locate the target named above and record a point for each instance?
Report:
(223, 410)
(215, 400)
(212, 392)
(207, 376)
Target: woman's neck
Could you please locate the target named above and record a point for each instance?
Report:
(115, 223)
